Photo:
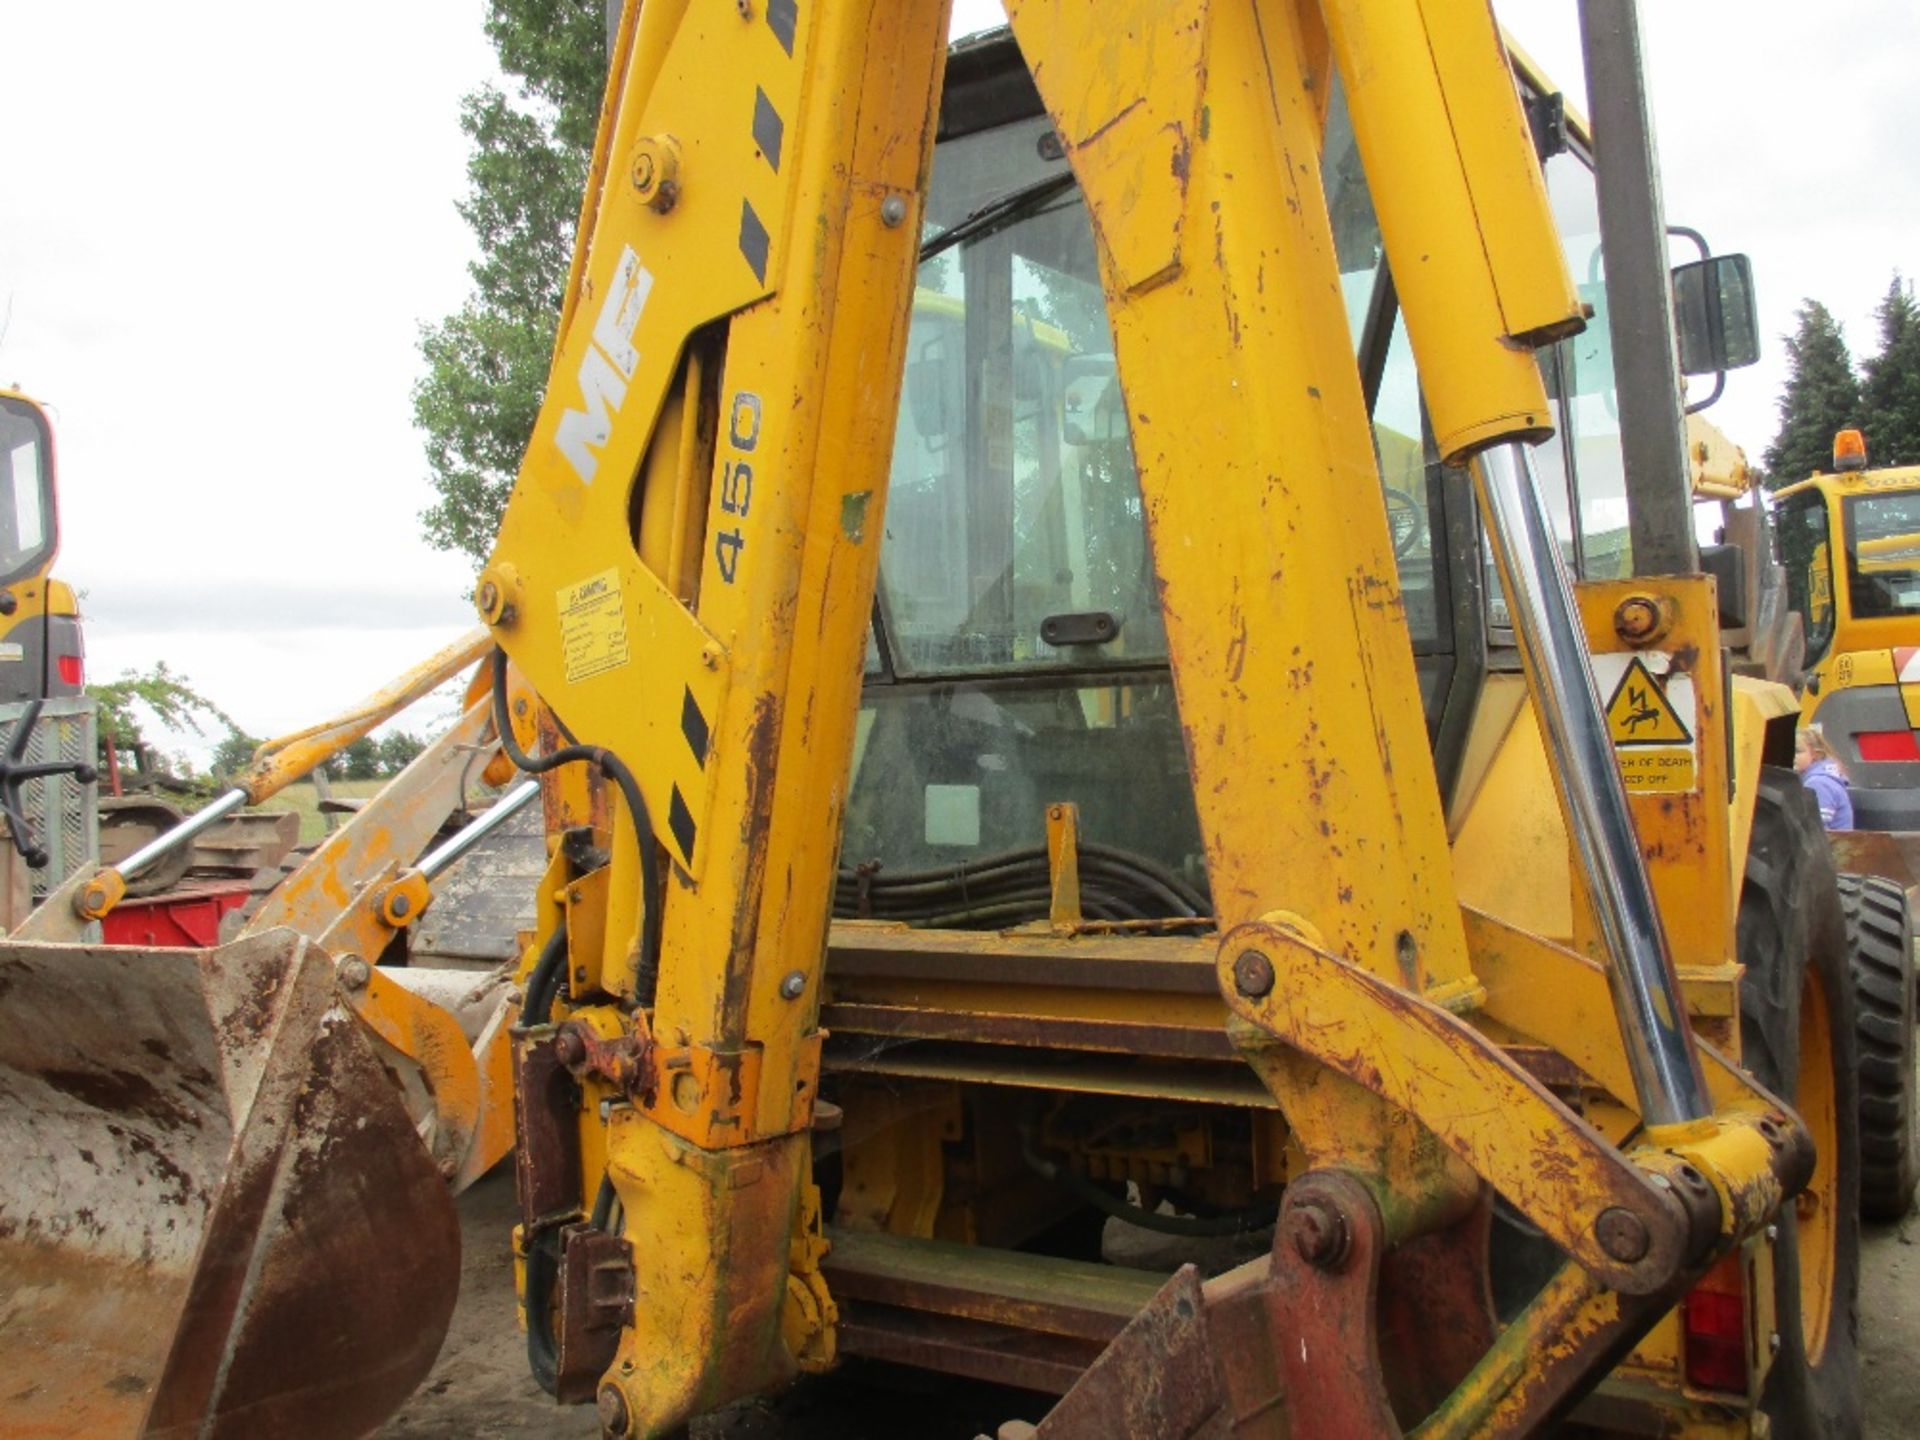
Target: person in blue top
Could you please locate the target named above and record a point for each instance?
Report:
(1822, 773)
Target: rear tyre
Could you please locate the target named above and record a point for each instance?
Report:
(1880, 956)
(1797, 1037)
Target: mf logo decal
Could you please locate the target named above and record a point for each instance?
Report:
(606, 369)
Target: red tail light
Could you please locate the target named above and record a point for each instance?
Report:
(1715, 1314)
(1888, 745)
(70, 670)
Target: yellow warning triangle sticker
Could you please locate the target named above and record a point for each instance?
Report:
(1640, 713)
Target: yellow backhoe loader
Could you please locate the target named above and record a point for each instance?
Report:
(1204, 870)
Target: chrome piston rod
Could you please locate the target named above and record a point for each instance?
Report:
(1640, 973)
(491, 819)
(204, 818)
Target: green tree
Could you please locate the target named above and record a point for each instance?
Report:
(1890, 383)
(487, 362)
(233, 754)
(1822, 396)
(397, 751)
(359, 761)
(158, 694)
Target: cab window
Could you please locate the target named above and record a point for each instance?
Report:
(1579, 374)
(1013, 498)
(26, 481)
(1883, 555)
(1807, 556)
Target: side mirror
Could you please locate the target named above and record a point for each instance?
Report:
(1713, 315)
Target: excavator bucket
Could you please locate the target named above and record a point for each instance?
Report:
(215, 1216)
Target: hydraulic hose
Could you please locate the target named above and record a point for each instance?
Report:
(615, 769)
(1192, 1227)
(543, 981)
(1014, 886)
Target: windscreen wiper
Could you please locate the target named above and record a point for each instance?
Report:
(997, 212)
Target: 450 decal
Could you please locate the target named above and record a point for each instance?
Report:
(736, 481)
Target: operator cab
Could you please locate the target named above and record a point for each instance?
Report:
(1018, 656)
(37, 617)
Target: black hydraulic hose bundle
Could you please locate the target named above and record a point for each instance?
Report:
(1015, 886)
(614, 768)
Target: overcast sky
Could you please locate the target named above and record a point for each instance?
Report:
(223, 223)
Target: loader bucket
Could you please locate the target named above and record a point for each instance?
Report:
(215, 1216)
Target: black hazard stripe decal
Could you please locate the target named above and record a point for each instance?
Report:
(693, 725)
(768, 130)
(680, 822)
(753, 241)
(782, 18)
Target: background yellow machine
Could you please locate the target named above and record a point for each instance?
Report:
(1004, 796)
(41, 655)
(1850, 541)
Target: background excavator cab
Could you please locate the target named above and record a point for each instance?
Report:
(41, 656)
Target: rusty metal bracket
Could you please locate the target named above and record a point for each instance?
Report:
(706, 1094)
(1304, 1343)
(596, 1296)
(546, 1152)
(625, 1061)
(1497, 1118)
(1163, 1375)
(1322, 1308)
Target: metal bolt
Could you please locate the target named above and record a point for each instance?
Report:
(354, 972)
(1252, 974)
(489, 597)
(400, 905)
(793, 986)
(1319, 1233)
(1407, 951)
(612, 1407)
(448, 1168)
(893, 211)
(1637, 619)
(568, 1048)
(1622, 1234)
(1773, 1233)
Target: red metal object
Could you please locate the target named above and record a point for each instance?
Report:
(178, 919)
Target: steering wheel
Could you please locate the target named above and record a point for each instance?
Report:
(1406, 522)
